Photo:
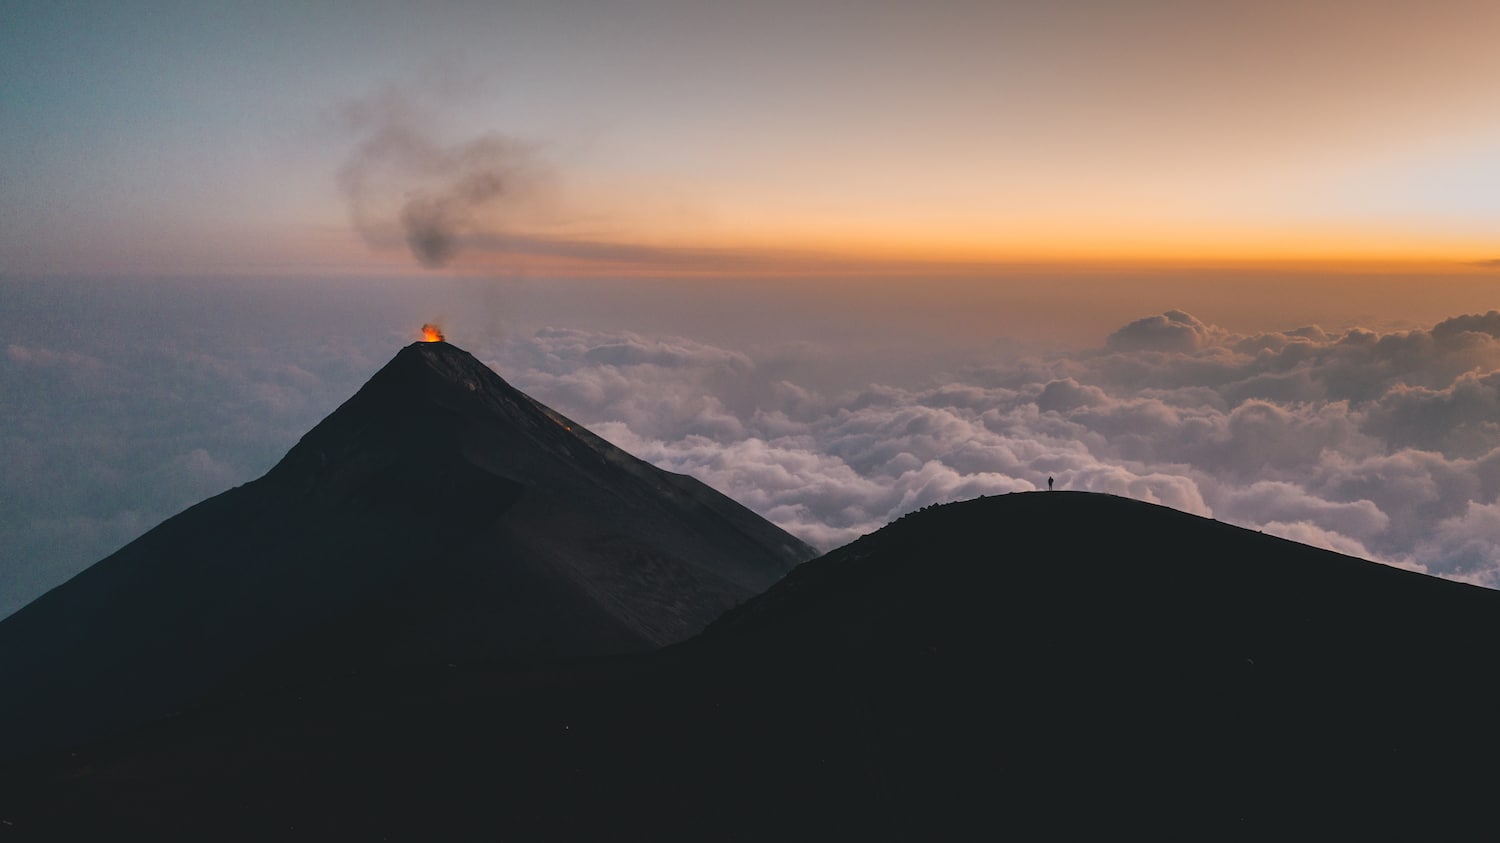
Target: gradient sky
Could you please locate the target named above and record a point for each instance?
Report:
(840, 260)
(216, 138)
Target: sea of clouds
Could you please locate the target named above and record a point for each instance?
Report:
(1380, 445)
(1384, 445)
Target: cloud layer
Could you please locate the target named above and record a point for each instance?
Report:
(1383, 445)
(125, 405)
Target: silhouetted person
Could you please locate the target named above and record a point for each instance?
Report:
(1049, 483)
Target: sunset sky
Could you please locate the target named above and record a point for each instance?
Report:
(841, 260)
(219, 138)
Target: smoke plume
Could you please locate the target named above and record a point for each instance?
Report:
(403, 183)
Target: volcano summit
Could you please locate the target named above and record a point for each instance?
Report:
(439, 515)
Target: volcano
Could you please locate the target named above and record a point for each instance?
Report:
(439, 516)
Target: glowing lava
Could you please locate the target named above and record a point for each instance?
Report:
(431, 333)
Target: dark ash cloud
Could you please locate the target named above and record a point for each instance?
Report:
(402, 178)
(405, 183)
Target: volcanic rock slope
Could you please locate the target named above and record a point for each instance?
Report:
(1033, 666)
(439, 515)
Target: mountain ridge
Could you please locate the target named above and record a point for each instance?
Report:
(1041, 664)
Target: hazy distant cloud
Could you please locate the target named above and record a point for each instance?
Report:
(102, 439)
(1170, 331)
(1490, 263)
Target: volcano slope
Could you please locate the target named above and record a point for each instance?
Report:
(439, 515)
(1040, 665)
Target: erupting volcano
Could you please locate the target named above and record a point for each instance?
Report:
(439, 516)
(431, 333)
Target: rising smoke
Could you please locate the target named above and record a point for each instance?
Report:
(404, 184)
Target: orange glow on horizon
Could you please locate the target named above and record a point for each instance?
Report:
(887, 256)
(959, 247)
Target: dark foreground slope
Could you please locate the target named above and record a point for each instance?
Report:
(439, 515)
(1039, 665)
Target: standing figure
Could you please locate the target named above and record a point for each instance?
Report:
(1049, 483)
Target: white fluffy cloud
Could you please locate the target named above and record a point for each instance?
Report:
(1384, 445)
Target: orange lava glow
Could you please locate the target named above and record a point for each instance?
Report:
(431, 333)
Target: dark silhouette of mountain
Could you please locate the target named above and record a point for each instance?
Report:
(439, 515)
(1044, 665)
